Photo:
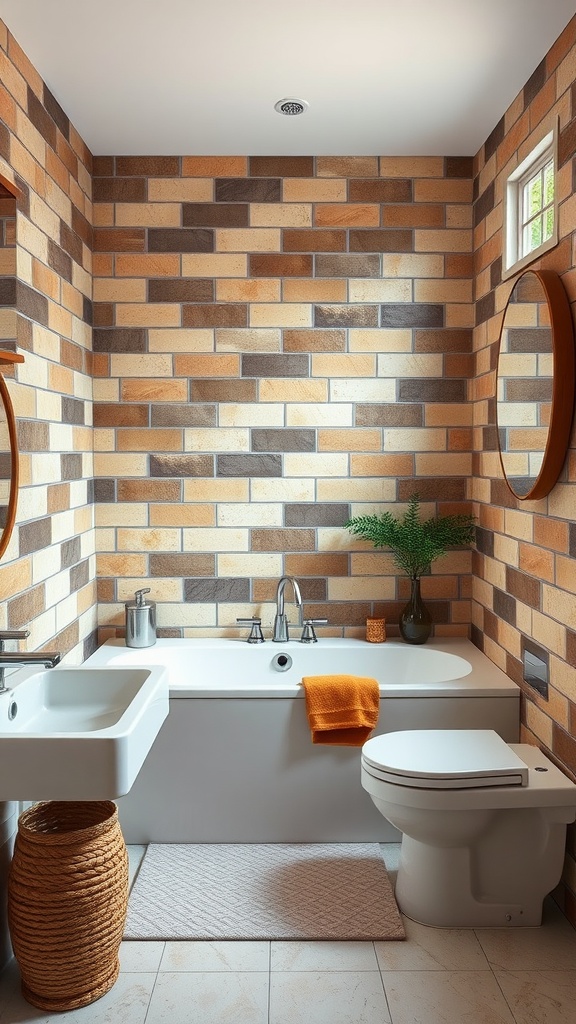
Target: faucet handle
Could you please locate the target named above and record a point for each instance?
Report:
(308, 632)
(12, 634)
(256, 635)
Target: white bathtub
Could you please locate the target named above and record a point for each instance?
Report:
(234, 761)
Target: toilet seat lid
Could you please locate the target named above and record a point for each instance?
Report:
(444, 759)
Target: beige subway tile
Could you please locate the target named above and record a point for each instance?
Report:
(559, 605)
(140, 365)
(187, 614)
(148, 215)
(214, 166)
(181, 339)
(114, 289)
(148, 540)
(149, 390)
(214, 264)
(248, 514)
(216, 489)
(108, 464)
(399, 439)
(210, 365)
(315, 464)
(245, 414)
(180, 190)
(447, 464)
(15, 578)
(449, 415)
(365, 490)
(121, 565)
(248, 240)
(459, 216)
(411, 166)
(518, 524)
(356, 439)
(219, 439)
(281, 489)
(104, 441)
(412, 265)
(563, 677)
(443, 291)
(334, 365)
(314, 190)
(293, 389)
(328, 414)
(290, 314)
(147, 265)
(122, 514)
(506, 549)
(162, 589)
(366, 290)
(248, 290)
(381, 465)
(379, 340)
(400, 365)
(362, 390)
(372, 563)
(314, 290)
(148, 314)
(218, 539)
(59, 320)
(246, 340)
(254, 564)
(280, 215)
(373, 588)
(182, 515)
(461, 315)
(442, 241)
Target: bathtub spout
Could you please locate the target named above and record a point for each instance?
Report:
(280, 633)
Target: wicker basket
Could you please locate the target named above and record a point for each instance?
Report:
(67, 900)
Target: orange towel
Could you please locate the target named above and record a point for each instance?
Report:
(342, 710)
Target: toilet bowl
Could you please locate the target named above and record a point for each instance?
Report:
(483, 823)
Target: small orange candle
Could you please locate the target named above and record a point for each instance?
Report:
(376, 631)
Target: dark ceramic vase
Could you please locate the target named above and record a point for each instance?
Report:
(415, 619)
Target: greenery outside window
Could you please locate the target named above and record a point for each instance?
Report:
(531, 221)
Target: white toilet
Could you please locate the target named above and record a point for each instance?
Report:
(483, 823)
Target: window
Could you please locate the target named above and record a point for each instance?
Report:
(530, 207)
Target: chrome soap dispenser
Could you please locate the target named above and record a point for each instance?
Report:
(140, 621)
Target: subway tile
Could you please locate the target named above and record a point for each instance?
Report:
(383, 190)
(281, 166)
(334, 365)
(115, 414)
(386, 240)
(316, 240)
(389, 415)
(316, 340)
(248, 290)
(250, 514)
(177, 289)
(117, 240)
(34, 535)
(314, 190)
(280, 215)
(172, 415)
(215, 215)
(217, 439)
(180, 190)
(317, 514)
(148, 166)
(248, 465)
(120, 339)
(346, 316)
(248, 240)
(413, 314)
(182, 565)
(347, 166)
(347, 266)
(219, 390)
(181, 465)
(215, 315)
(280, 265)
(185, 240)
(250, 415)
(218, 264)
(309, 414)
(150, 390)
(315, 290)
(443, 340)
(247, 190)
(281, 365)
(149, 490)
(221, 589)
(283, 540)
(282, 440)
(414, 215)
(214, 166)
(431, 390)
(315, 564)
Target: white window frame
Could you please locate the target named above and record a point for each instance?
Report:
(536, 159)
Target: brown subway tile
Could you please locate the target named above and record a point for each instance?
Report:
(317, 564)
(179, 565)
(248, 190)
(225, 389)
(283, 540)
(382, 465)
(73, 410)
(58, 498)
(181, 465)
(414, 215)
(34, 535)
(389, 415)
(314, 341)
(525, 588)
(381, 190)
(347, 266)
(180, 240)
(104, 314)
(265, 365)
(119, 239)
(115, 414)
(70, 552)
(346, 316)
(79, 576)
(119, 190)
(433, 488)
(215, 215)
(178, 289)
(412, 314)
(149, 490)
(183, 415)
(283, 439)
(214, 166)
(347, 166)
(60, 119)
(234, 588)
(459, 264)
(106, 590)
(426, 389)
(26, 607)
(33, 436)
(383, 240)
(31, 303)
(41, 119)
(443, 340)
(459, 166)
(120, 339)
(315, 240)
(82, 227)
(564, 747)
(280, 265)
(315, 514)
(59, 260)
(224, 314)
(248, 465)
(281, 166)
(148, 166)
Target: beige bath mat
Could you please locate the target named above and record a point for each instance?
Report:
(265, 891)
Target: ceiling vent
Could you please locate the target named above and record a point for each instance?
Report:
(291, 107)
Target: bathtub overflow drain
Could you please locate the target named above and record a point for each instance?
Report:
(12, 710)
(282, 662)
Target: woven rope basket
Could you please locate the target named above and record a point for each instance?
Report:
(67, 901)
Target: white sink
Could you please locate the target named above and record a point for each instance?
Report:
(79, 733)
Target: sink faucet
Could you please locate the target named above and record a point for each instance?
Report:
(48, 659)
(280, 633)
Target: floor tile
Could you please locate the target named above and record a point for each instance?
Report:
(216, 956)
(127, 1002)
(323, 956)
(327, 998)
(540, 997)
(439, 997)
(432, 949)
(212, 998)
(140, 956)
(550, 947)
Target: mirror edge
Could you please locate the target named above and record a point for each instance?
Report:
(9, 359)
(563, 390)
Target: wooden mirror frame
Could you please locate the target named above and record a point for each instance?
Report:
(564, 362)
(8, 359)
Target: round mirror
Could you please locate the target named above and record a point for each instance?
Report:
(8, 455)
(535, 384)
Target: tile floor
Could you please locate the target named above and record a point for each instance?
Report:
(437, 976)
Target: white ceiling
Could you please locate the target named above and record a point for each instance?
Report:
(392, 77)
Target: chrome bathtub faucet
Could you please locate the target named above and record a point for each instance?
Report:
(48, 659)
(280, 632)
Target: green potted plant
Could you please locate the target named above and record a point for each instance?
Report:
(414, 545)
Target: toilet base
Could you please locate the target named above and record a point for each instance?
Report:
(435, 887)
